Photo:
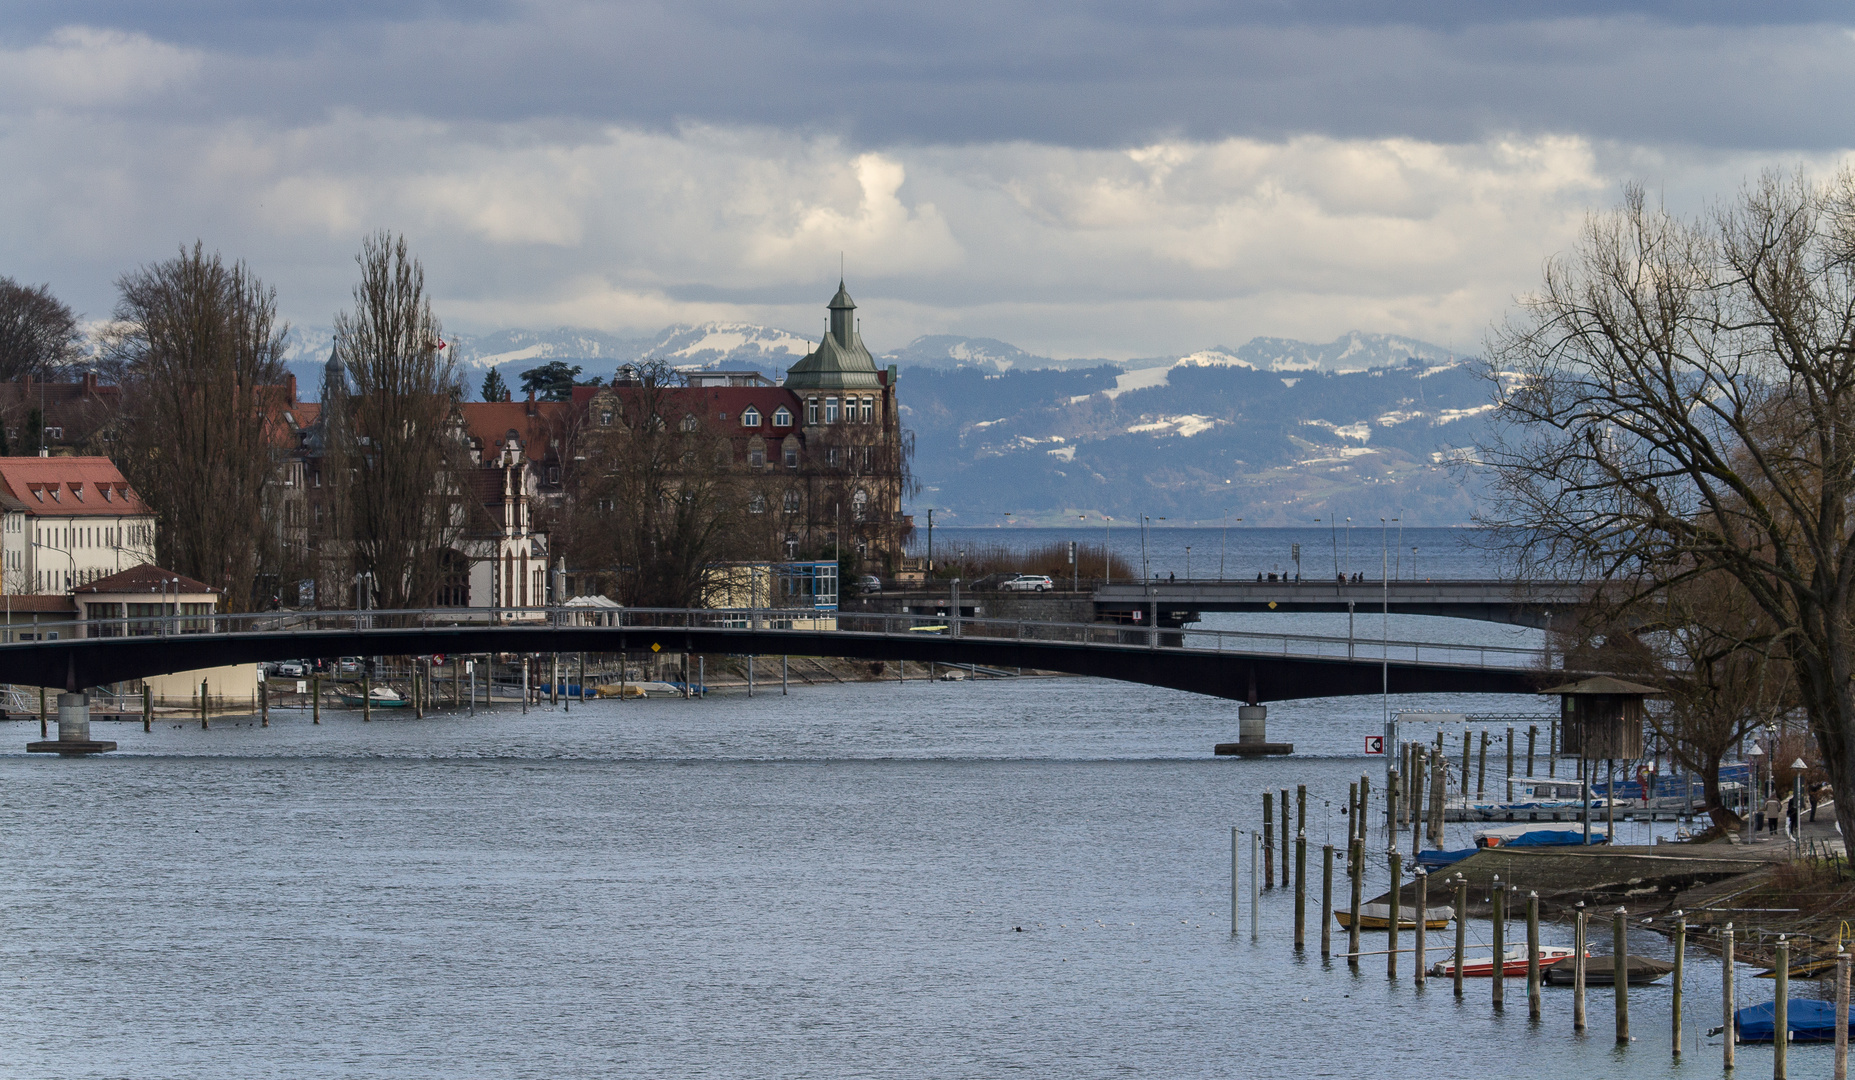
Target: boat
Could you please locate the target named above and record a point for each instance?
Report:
(1378, 917)
(1806, 967)
(1808, 1019)
(380, 697)
(1524, 835)
(1598, 971)
(1513, 963)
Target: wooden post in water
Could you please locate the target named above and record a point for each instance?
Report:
(1578, 948)
(1301, 808)
(1326, 901)
(367, 692)
(1288, 848)
(203, 692)
(553, 682)
(1255, 896)
(1357, 853)
(1416, 800)
(42, 731)
(418, 691)
(1730, 1042)
(1365, 795)
(1842, 1015)
(148, 708)
(1391, 802)
(315, 699)
(1301, 890)
(1423, 909)
(782, 674)
(1462, 927)
(1532, 736)
(1235, 879)
(1533, 1002)
(1352, 815)
(1468, 745)
(264, 704)
(1268, 839)
(1552, 755)
(1391, 933)
(1481, 768)
(1781, 1014)
(1620, 971)
(1499, 974)
(1674, 1002)
(1439, 779)
(1509, 780)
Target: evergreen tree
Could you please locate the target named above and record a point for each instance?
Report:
(494, 389)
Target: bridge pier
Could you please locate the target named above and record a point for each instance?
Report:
(1252, 735)
(73, 730)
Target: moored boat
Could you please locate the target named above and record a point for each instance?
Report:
(1513, 963)
(1600, 970)
(381, 697)
(1378, 917)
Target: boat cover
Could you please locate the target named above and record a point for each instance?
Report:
(1808, 1019)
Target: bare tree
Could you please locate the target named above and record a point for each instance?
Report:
(1679, 401)
(38, 332)
(394, 463)
(196, 341)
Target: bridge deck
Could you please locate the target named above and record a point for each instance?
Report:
(1525, 603)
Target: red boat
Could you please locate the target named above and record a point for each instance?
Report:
(1513, 964)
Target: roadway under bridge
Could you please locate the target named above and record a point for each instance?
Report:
(1247, 672)
(1523, 603)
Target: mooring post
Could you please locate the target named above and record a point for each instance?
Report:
(1510, 763)
(264, 704)
(1352, 815)
(1842, 1015)
(367, 691)
(1533, 1002)
(524, 661)
(1499, 933)
(1235, 878)
(1416, 799)
(203, 724)
(553, 682)
(148, 708)
(750, 692)
(1287, 847)
(315, 699)
(782, 676)
(1462, 927)
(1620, 971)
(1481, 771)
(1301, 890)
(1781, 1014)
(1358, 887)
(1326, 901)
(1532, 736)
(1578, 949)
(43, 733)
(1365, 795)
(1268, 839)
(1423, 915)
(1468, 745)
(1255, 887)
(1726, 995)
(1391, 938)
(1552, 754)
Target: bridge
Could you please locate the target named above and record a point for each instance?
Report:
(1248, 667)
(1524, 603)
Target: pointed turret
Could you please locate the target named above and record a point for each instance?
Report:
(840, 362)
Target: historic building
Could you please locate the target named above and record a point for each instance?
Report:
(67, 522)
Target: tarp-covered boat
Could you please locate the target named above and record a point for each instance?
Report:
(1808, 1020)
(1601, 971)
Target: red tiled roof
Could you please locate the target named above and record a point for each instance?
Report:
(723, 406)
(146, 578)
(491, 422)
(69, 487)
(35, 602)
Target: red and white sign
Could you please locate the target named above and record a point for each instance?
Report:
(1375, 745)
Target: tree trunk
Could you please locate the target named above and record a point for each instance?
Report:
(1725, 819)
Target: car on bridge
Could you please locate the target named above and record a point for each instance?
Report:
(869, 583)
(1028, 583)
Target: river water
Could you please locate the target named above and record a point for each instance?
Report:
(825, 884)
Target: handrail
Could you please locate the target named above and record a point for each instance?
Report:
(763, 620)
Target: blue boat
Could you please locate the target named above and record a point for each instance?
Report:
(1513, 836)
(1809, 1020)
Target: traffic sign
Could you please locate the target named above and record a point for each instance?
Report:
(1375, 745)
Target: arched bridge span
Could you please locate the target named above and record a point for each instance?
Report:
(1244, 667)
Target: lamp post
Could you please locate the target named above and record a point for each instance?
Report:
(1755, 794)
(1797, 771)
(1349, 547)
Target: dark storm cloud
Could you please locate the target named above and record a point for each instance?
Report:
(1706, 74)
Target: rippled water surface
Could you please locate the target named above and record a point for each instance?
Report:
(825, 884)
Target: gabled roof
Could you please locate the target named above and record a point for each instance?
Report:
(68, 487)
(146, 578)
(491, 422)
(1603, 684)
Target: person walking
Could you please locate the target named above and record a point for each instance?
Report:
(1790, 818)
(1772, 810)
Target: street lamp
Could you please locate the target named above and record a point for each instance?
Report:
(1797, 771)
(1754, 789)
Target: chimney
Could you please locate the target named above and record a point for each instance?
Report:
(531, 403)
(90, 383)
(290, 384)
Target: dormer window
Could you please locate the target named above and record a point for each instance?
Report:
(57, 495)
(109, 494)
(750, 417)
(605, 418)
(78, 490)
(38, 493)
(782, 417)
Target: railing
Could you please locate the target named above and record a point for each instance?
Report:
(777, 620)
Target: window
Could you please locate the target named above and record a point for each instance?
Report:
(811, 410)
(859, 505)
(792, 454)
(756, 504)
(750, 418)
(54, 433)
(833, 457)
(756, 454)
(869, 406)
(782, 417)
(830, 410)
(792, 501)
(605, 418)
(690, 423)
(866, 459)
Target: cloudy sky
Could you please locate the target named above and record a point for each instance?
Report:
(1080, 179)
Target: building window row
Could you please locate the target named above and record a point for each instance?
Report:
(853, 410)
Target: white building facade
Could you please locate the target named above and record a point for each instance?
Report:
(68, 522)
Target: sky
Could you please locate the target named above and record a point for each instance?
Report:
(1080, 179)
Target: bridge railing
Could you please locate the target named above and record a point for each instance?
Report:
(775, 620)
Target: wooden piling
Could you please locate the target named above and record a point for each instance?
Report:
(148, 708)
(1552, 754)
(1301, 808)
(203, 700)
(1730, 1042)
(1255, 897)
(1301, 891)
(1352, 814)
(1481, 771)
(264, 704)
(1674, 1003)
(315, 699)
(1462, 928)
(1235, 879)
(367, 692)
(1288, 848)
(1781, 1014)
(1423, 908)
(1326, 901)
(1842, 1015)
(1468, 745)
(1391, 934)
(1620, 971)
(1439, 779)
(553, 682)
(1533, 1002)
(1392, 784)
(1416, 799)
(1352, 929)
(1365, 795)
(1579, 925)
(1532, 736)
(1499, 979)
(1268, 840)
(1508, 780)
(43, 734)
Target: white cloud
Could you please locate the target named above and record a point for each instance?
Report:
(81, 66)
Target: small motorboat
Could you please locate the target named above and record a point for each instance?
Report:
(1806, 967)
(1513, 963)
(1599, 971)
(1378, 917)
(380, 697)
(1809, 1020)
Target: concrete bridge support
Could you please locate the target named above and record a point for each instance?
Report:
(73, 730)
(1252, 735)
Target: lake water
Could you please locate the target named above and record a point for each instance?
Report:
(826, 884)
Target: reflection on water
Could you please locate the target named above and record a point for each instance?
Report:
(826, 884)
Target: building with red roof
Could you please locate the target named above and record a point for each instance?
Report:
(68, 521)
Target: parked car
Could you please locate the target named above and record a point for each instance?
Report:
(349, 667)
(869, 583)
(1028, 583)
(288, 669)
